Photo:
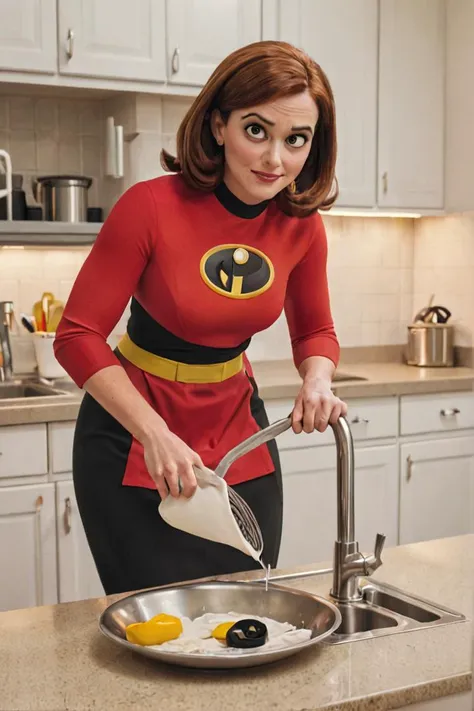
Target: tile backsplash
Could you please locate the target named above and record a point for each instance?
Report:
(381, 271)
(444, 266)
(50, 136)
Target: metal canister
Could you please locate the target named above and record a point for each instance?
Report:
(64, 197)
(430, 345)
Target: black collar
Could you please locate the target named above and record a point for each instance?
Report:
(236, 206)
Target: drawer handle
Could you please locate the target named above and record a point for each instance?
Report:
(357, 420)
(175, 61)
(70, 44)
(67, 515)
(450, 413)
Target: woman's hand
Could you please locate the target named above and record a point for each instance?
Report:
(316, 406)
(170, 463)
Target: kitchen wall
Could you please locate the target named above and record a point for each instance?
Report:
(380, 270)
(47, 135)
(444, 265)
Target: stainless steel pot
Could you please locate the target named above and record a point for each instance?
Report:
(63, 197)
(430, 345)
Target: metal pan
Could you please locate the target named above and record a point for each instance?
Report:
(192, 600)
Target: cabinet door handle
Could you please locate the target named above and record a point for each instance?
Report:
(70, 44)
(385, 182)
(357, 420)
(409, 467)
(450, 413)
(39, 550)
(175, 61)
(67, 515)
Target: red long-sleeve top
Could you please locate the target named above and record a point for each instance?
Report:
(151, 247)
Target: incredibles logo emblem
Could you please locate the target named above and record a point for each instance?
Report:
(237, 271)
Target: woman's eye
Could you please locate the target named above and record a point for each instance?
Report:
(255, 130)
(296, 140)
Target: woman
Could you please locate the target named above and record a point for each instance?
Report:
(210, 256)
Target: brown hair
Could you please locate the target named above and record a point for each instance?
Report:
(253, 75)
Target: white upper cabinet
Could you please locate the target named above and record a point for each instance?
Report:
(342, 38)
(411, 104)
(201, 33)
(117, 39)
(28, 35)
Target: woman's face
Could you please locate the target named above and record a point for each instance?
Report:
(266, 146)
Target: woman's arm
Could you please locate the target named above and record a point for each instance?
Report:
(313, 338)
(98, 299)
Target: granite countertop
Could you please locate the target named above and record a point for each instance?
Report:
(54, 658)
(279, 379)
(276, 379)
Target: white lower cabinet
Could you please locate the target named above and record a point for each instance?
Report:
(78, 577)
(436, 488)
(408, 485)
(27, 546)
(310, 496)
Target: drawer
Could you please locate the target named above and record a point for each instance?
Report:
(373, 418)
(61, 439)
(369, 418)
(23, 450)
(445, 412)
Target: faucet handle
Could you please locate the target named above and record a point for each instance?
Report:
(372, 562)
(379, 544)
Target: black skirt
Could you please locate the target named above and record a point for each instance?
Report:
(133, 548)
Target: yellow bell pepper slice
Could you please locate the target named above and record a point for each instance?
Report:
(161, 628)
(221, 630)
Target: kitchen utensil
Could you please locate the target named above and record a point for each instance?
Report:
(7, 191)
(41, 310)
(215, 511)
(433, 314)
(420, 316)
(27, 323)
(63, 197)
(430, 345)
(56, 310)
(18, 197)
(298, 608)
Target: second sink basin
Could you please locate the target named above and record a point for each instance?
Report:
(20, 390)
(385, 610)
(362, 618)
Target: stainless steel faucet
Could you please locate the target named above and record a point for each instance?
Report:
(349, 563)
(6, 323)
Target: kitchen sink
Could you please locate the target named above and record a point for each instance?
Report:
(20, 390)
(385, 610)
(358, 618)
(400, 605)
(341, 377)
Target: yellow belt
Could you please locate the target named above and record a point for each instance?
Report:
(173, 370)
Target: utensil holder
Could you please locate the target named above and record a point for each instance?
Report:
(48, 366)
